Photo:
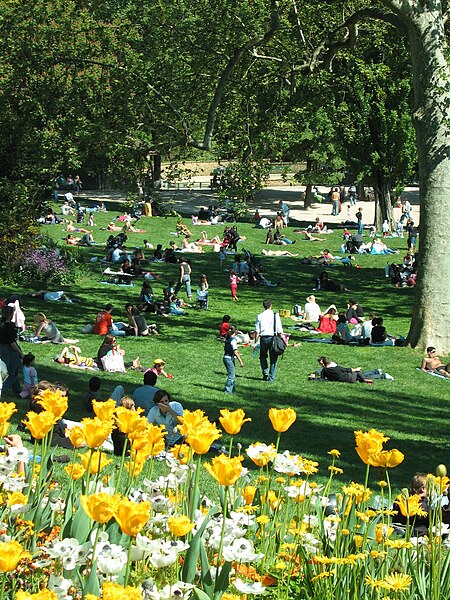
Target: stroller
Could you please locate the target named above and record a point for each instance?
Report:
(202, 299)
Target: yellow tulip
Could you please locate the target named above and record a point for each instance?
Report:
(387, 459)
(7, 409)
(180, 526)
(129, 421)
(232, 421)
(201, 439)
(181, 453)
(39, 424)
(45, 594)
(100, 507)
(104, 410)
(96, 431)
(97, 462)
(155, 436)
(282, 419)
(382, 532)
(135, 466)
(75, 471)
(114, 591)
(368, 443)
(11, 553)
(132, 516)
(76, 436)
(191, 420)
(54, 401)
(411, 506)
(248, 493)
(4, 429)
(17, 498)
(224, 469)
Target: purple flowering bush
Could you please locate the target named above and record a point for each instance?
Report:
(47, 266)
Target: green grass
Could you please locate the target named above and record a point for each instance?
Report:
(411, 409)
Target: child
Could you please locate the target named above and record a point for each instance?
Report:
(30, 377)
(230, 355)
(158, 369)
(224, 326)
(234, 280)
(222, 256)
(91, 220)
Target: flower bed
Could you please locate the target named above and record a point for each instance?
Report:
(120, 533)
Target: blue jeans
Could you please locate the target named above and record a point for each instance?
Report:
(230, 387)
(264, 350)
(286, 241)
(186, 279)
(12, 361)
(360, 227)
(117, 329)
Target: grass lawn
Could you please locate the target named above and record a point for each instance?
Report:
(411, 409)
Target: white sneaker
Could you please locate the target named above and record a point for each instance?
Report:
(387, 376)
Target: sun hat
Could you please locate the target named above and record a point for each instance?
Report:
(158, 362)
(311, 298)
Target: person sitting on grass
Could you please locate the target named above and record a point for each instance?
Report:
(166, 412)
(328, 321)
(433, 364)
(379, 335)
(343, 334)
(143, 395)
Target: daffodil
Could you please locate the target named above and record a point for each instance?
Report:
(282, 418)
(132, 516)
(104, 410)
(114, 591)
(180, 526)
(11, 553)
(224, 469)
(232, 421)
(39, 424)
(100, 507)
(44, 594)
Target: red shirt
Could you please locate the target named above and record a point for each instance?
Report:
(224, 328)
(103, 322)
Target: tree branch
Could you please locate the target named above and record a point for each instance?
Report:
(350, 27)
(232, 62)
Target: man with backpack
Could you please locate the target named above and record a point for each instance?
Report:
(268, 326)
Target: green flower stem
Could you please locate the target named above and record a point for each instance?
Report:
(192, 507)
(127, 571)
(224, 516)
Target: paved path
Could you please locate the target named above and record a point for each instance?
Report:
(189, 200)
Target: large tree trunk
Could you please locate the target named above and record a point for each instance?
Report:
(431, 79)
(383, 204)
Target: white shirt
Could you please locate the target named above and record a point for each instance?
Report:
(366, 329)
(265, 323)
(312, 312)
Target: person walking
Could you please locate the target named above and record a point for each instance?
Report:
(234, 280)
(267, 325)
(359, 218)
(229, 358)
(185, 277)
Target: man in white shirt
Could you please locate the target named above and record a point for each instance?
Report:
(166, 412)
(267, 324)
(312, 310)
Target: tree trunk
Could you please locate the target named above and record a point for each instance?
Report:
(308, 198)
(383, 204)
(430, 323)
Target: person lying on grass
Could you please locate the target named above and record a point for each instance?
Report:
(432, 363)
(331, 371)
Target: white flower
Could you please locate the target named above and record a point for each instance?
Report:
(112, 564)
(176, 591)
(160, 558)
(12, 484)
(287, 463)
(160, 503)
(60, 586)
(257, 449)
(301, 490)
(443, 529)
(244, 587)
(241, 550)
(19, 454)
(242, 518)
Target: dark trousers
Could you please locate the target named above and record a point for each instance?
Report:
(264, 352)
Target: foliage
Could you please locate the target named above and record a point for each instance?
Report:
(243, 179)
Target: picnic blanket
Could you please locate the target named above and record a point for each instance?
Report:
(433, 373)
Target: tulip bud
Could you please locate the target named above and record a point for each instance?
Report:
(405, 492)
(441, 471)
